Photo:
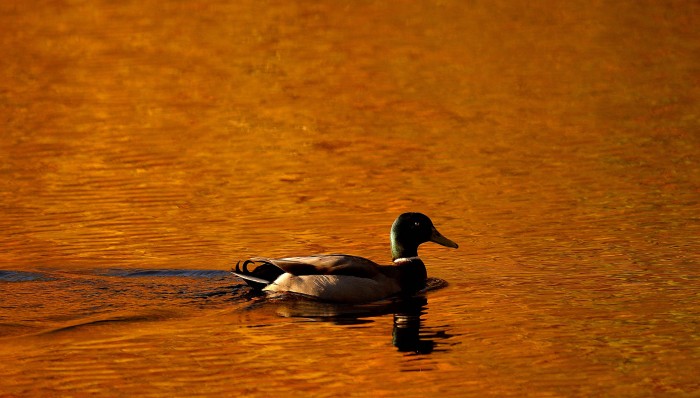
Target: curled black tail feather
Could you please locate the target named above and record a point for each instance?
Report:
(262, 275)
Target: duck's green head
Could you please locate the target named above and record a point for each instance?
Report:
(412, 229)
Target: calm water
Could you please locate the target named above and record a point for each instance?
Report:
(148, 145)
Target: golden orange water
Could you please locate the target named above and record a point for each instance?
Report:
(147, 145)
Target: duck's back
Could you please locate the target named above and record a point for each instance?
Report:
(325, 264)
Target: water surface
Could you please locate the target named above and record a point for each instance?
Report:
(146, 146)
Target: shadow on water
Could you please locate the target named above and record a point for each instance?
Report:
(409, 334)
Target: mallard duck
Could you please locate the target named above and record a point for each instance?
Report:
(350, 279)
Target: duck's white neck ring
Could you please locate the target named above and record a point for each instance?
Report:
(404, 260)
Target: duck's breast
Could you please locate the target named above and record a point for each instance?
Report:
(339, 288)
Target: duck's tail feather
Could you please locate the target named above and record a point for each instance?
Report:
(262, 275)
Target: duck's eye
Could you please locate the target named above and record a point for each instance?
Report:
(417, 224)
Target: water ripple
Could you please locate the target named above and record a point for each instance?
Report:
(184, 273)
(22, 276)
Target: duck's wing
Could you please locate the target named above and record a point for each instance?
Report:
(326, 264)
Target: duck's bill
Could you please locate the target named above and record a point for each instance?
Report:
(441, 240)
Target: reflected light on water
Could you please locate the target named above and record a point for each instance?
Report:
(145, 145)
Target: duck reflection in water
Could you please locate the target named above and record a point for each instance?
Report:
(408, 333)
(407, 336)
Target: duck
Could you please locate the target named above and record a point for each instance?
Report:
(344, 278)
